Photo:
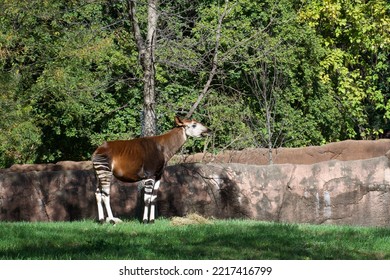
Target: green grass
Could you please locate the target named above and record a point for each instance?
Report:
(228, 239)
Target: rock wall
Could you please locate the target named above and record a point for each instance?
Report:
(343, 150)
(332, 191)
(64, 195)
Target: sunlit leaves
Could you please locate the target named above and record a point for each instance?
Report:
(355, 34)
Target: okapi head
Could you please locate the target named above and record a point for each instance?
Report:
(192, 127)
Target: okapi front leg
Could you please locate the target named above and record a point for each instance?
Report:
(153, 201)
(148, 194)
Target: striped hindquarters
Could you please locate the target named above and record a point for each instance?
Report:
(101, 164)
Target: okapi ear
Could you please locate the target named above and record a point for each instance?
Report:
(178, 121)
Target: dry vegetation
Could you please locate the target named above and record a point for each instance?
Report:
(190, 219)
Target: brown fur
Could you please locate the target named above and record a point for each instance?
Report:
(142, 158)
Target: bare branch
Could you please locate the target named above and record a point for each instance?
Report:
(136, 30)
(214, 63)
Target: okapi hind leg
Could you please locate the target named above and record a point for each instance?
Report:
(110, 218)
(104, 176)
(99, 201)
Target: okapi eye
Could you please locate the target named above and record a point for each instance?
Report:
(194, 125)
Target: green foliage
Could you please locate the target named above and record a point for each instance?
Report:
(77, 81)
(356, 38)
(230, 239)
(19, 136)
(269, 57)
(290, 73)
(229, 123)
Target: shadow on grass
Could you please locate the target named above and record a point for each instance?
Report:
(236, 240)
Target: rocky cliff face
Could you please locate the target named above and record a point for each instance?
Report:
(353, 190)
(332, 192)
(59, 196)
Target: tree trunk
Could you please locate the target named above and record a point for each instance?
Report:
(146, 49)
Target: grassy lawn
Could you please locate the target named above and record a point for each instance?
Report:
(227, 239)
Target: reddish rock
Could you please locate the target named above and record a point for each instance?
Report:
(59, 196)
(344, 150)
(334, 192)
(354, 189)
(61, 165)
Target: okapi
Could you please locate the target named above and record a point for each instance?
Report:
(140, 159)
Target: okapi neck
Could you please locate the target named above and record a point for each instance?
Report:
(172, 141)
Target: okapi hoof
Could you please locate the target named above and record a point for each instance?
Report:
(145, 221)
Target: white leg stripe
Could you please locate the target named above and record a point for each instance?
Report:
(100, 206)
(150, 198)
(104, 176)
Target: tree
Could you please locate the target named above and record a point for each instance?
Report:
(356, 64)
(214, 62)
(147, 58)
(265, 35)
(72, 86)
(19, 136)
(265, 84)
(258, 72)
